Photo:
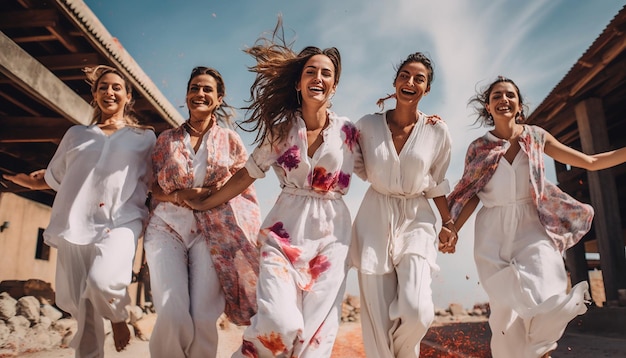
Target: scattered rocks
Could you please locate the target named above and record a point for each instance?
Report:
(350, 309)
(456, 312)
(32, 324)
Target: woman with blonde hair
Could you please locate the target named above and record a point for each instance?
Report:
(101, 173)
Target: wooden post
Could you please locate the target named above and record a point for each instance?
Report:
(604, 198)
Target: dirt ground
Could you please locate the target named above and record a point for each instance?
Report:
(349, 344)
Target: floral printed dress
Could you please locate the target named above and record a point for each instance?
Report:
(305, 239)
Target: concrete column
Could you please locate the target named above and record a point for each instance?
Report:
(603, 192)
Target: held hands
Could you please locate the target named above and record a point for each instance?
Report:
(448, 237)
(183, 197)
(200, 203)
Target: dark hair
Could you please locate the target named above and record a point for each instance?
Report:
(414, 57)
(273, 97)
(224, 113)
(481, 99)
(94, 75)
(421, 58)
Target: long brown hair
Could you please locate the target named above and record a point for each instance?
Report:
(274, 101)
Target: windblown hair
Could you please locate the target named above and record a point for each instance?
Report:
(414, 57)
(274, 100)
(224, 113)
(93, 76)
(481, 99)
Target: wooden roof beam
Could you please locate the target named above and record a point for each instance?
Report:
(28, 18)
(40, 83)
(70, 61)
(607, 57)
(33, 135)
(19, 104)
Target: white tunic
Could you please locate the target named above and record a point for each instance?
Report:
(395, 218)
(101, 182)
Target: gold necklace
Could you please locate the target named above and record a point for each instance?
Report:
(196, 132)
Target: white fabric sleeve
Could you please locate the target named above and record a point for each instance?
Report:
(58, 164)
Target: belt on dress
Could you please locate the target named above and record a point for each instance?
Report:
(328, 195)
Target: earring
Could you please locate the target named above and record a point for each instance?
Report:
(298, 96)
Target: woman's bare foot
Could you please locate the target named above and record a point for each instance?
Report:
(121, 335)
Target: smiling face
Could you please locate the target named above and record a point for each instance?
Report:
(317, 80)
(111, 95)
(411, 82)
(503, 101)
(202, 95)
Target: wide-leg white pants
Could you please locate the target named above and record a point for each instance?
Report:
(186, 292)
(91, 284)
(397, 309)
(291, 322)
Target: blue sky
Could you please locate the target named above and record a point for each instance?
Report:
(534, 42)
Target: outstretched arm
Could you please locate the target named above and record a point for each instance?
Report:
(34, 180)
(564, 154)
(235, 186)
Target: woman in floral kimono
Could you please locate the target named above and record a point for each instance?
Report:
(305, 236)
(524, 226)
(202, 263)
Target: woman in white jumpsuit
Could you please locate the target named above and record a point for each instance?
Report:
(202, 263)
(520, 236)
(101, 174)
(405, 155)
(305, 236)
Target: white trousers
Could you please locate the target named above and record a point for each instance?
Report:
(187, 295)
(397, 309)
(291, 322)
(91, 284)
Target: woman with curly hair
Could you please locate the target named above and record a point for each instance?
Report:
(524, 226)
(101, 173)
(304, 238)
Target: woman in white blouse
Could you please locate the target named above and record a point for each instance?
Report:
(405, 155)
(101, 174)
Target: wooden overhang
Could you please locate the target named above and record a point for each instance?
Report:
(599, 73)
(44, 45)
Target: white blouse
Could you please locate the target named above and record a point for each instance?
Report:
(101, 181)
(395, 218)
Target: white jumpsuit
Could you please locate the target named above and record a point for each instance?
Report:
(520, 268)
(393, 243)
(305, 240)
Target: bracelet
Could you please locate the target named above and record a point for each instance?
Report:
(450, 221)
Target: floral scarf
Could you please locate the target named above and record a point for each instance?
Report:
(230, 229)
(565, 219)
